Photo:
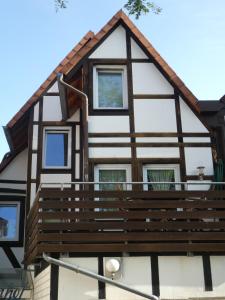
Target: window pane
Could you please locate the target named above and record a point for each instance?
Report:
(8, 221)
(161, 176)
(110, 89)
(56, 154)
(112, 176)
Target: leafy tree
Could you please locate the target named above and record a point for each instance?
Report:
(139, 7)
(134, 7)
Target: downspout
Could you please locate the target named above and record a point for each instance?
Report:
(93, 275)
(84, 123)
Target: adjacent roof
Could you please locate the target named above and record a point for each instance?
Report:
(88, 43)
(211, 106)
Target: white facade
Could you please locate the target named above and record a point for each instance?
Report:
(147, 132)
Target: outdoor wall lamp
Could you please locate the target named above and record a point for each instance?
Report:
(112, 267)
(201, 172)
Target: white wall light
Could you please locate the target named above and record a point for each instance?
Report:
(113, 268)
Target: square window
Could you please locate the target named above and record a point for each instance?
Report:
(9, 221)
(110, 87)
(167, 174)
(57, 148)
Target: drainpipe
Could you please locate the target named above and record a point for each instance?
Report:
(93, 275)
(84, 123)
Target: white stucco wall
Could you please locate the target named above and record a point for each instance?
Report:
(158, 152)
(17, 169)
(136, 273)
(190, 122)
(115, 152)
(76, 286)
(52, 108)
(155, 115)
(35, 137)
(36, 112)
(113, 47)
(54, 88)
(148, 80)
(136, 51)
(181, 277)
(108, 124)
(196, 157)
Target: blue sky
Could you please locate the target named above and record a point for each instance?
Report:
(189, 34)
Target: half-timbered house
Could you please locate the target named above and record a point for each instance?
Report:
(113, 168)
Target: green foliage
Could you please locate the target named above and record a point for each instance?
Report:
(134, 7)
(139, 7)
(60, 4)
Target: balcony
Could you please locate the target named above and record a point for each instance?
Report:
(78, 217)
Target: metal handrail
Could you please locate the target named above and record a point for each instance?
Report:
(185, 184)
(93, 275)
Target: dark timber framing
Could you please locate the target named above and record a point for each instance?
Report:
(207, 273)
(54, 281)
(180, 138)
(29, 160)
(131, 108)
(39, 145)
(155, 275)
(11, 256)
(101, 285)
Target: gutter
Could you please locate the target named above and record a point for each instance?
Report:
(93, 275)
(84, 121)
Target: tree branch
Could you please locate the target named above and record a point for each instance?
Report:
(140, 7)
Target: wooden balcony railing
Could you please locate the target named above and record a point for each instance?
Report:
(69, 220)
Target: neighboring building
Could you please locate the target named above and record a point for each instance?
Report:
(141, 139)
(214, 114)
(3, 228)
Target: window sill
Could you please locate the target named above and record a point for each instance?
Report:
(109, 112)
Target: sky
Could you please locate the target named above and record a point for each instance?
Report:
(34, 38)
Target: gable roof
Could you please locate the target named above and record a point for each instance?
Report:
(87, 44)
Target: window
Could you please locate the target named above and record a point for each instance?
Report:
(9, 221)
(161, 173)
(110, 87)
(57, 148)
(112, 173)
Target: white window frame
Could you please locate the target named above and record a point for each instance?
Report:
(16, 238)
(125, 167)
(175, 167)
(121, 69)
(99, 167)
(57, 130)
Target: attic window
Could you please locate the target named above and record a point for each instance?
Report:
(110, 87)
(57, 149)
